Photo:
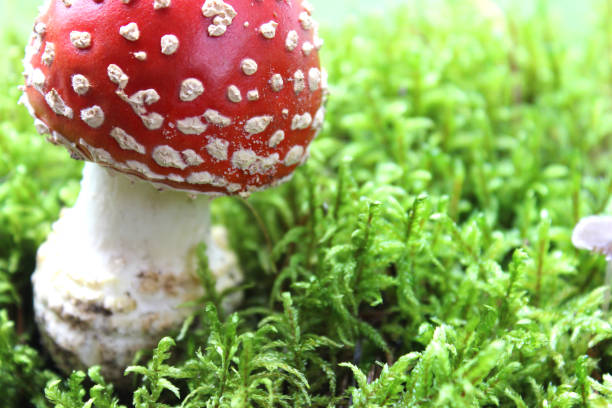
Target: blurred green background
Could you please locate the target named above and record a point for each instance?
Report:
(574, 13)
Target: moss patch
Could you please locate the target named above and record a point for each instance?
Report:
(422, 257)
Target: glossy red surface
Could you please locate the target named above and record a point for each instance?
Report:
(213, 60)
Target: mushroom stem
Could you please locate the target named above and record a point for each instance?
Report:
(116, 270)
(608, 282)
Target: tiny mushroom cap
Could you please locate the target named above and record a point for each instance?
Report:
(188, 94)
(594, 233)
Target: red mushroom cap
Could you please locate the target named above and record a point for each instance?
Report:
(212, 96)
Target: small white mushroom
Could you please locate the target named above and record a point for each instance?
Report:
(594, 233)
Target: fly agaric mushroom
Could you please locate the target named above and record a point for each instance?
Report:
(594, 233)
(218, 97)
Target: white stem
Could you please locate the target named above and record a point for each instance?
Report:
(608, 282)
(128, 218)
(115, 272)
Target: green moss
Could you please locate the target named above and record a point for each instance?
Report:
(422, 257)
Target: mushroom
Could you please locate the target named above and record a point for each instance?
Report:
(170, 103)
(594, 233)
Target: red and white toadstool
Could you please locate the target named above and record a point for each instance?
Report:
(218, 97)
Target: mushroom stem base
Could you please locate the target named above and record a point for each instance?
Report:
(116, 270)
